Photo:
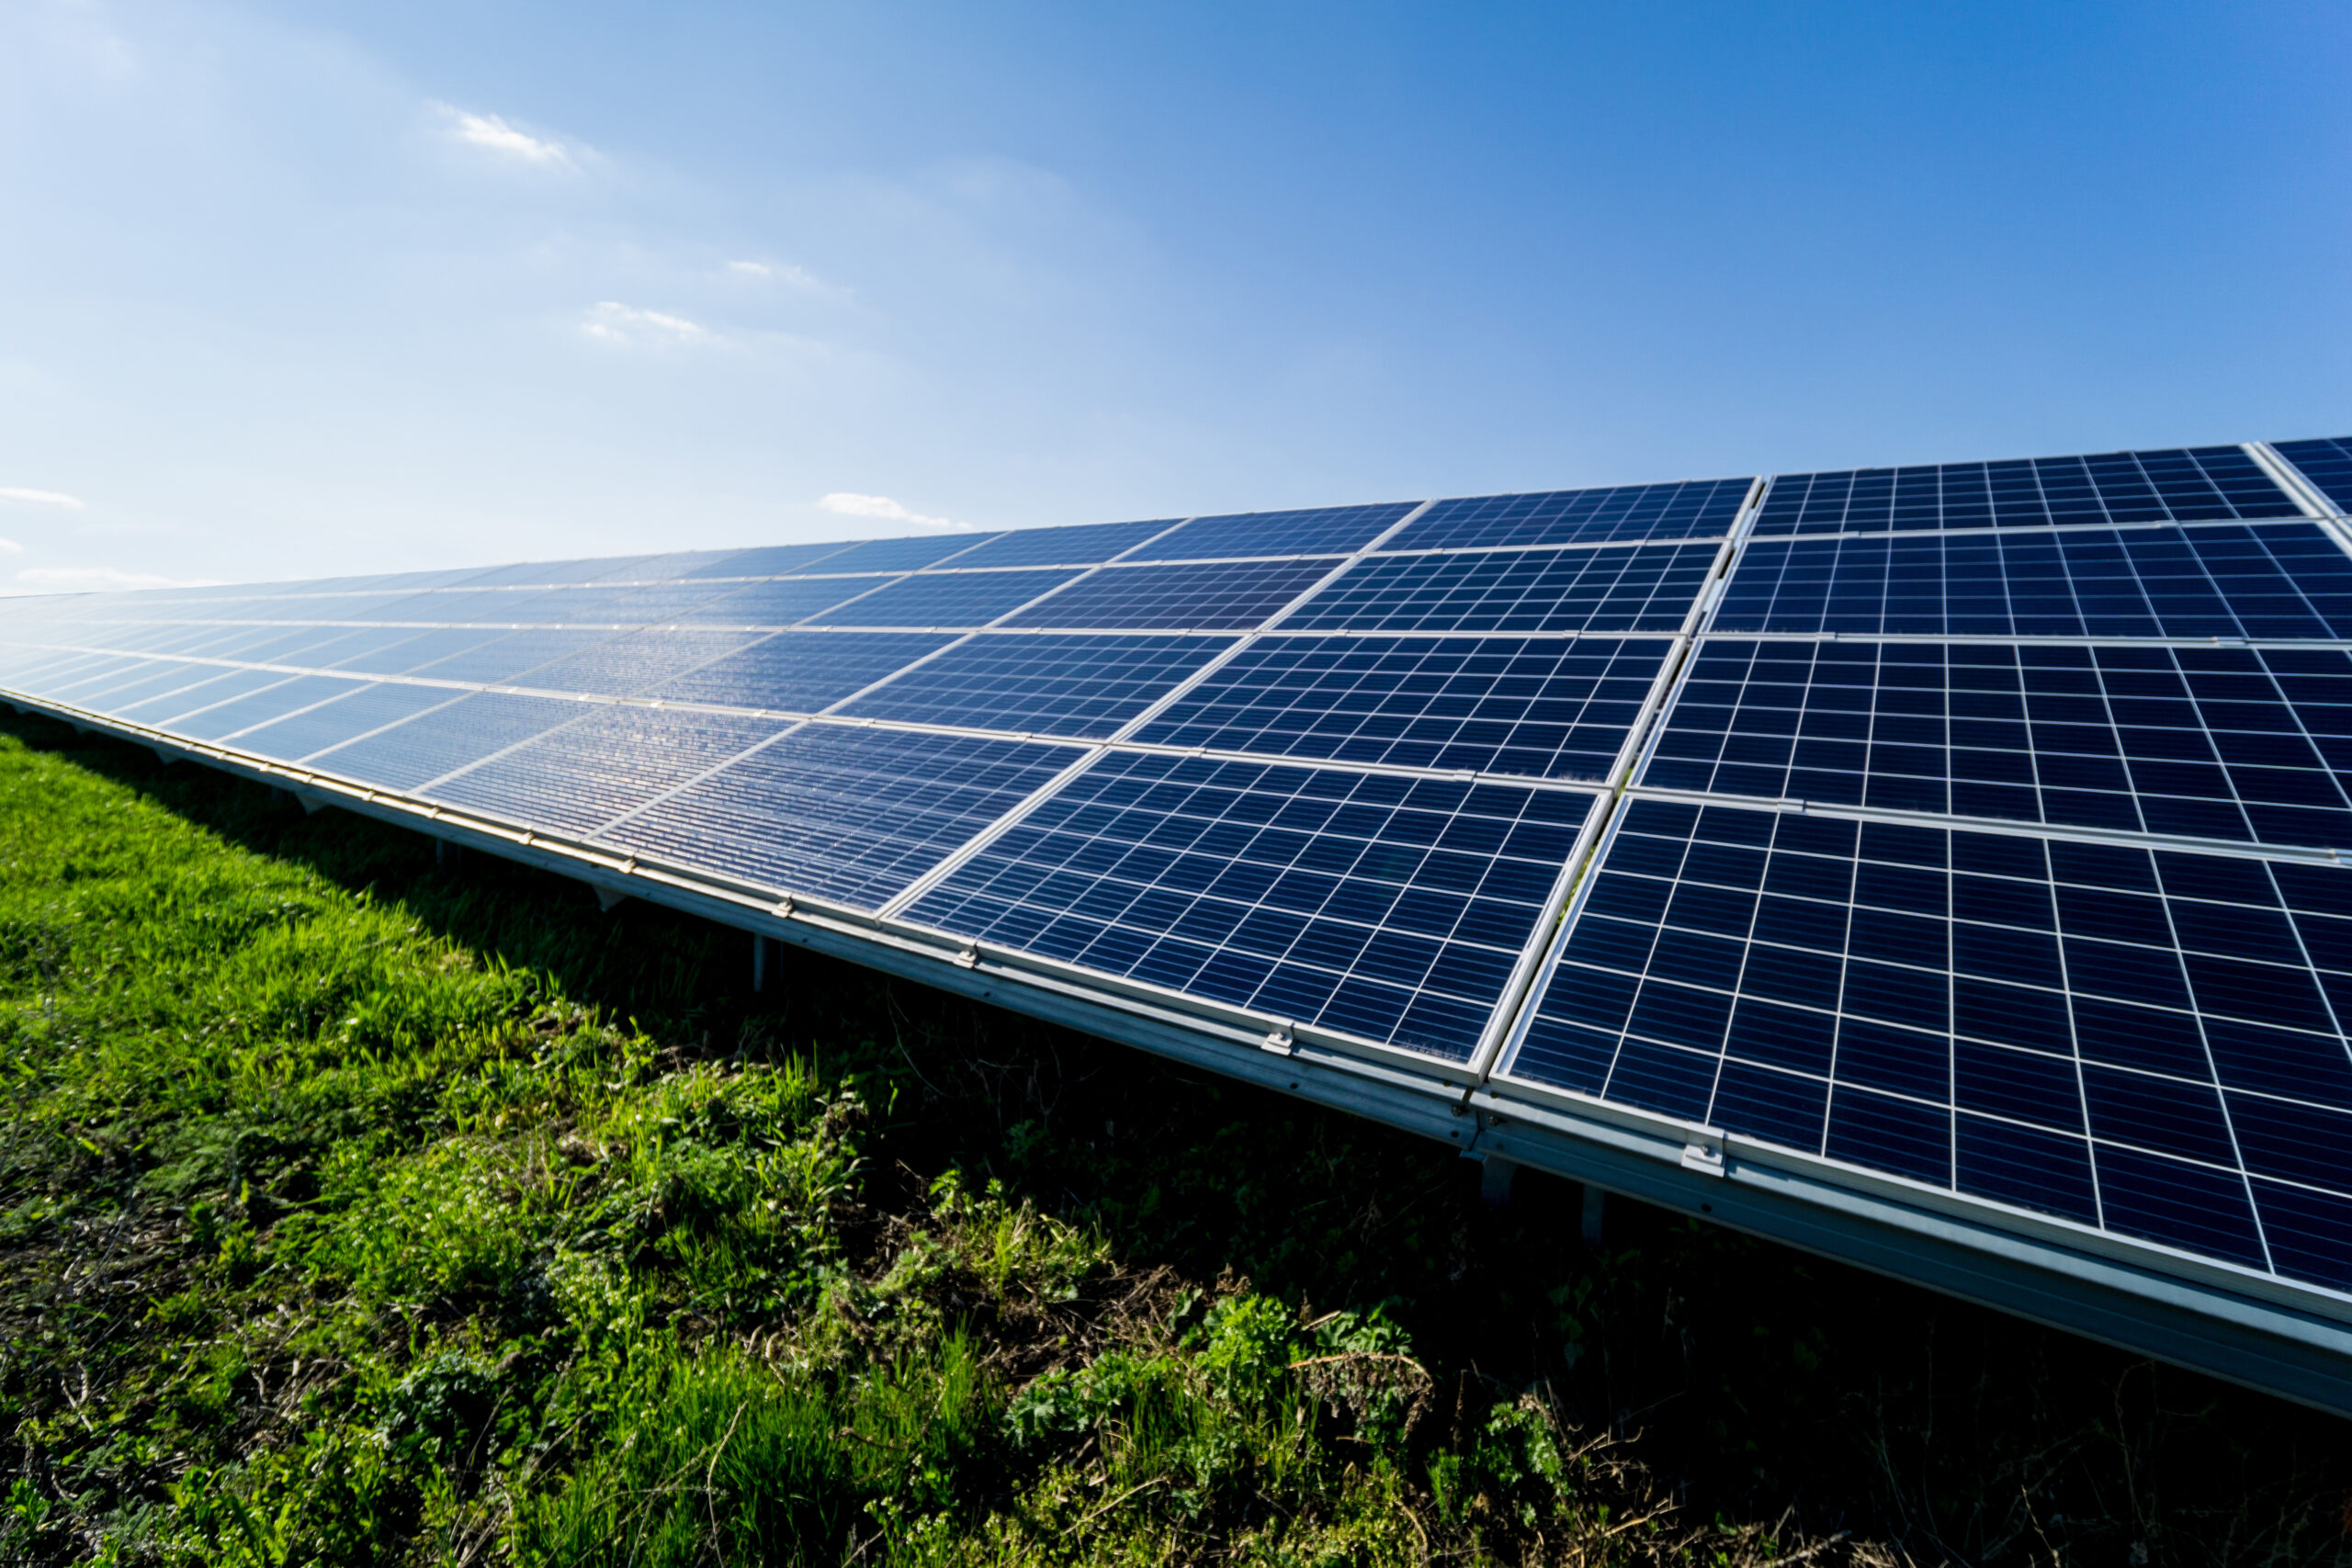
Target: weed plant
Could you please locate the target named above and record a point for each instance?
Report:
(353, 1210)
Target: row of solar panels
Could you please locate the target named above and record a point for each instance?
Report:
(1977, 860)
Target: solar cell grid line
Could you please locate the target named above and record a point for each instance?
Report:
(511, 657)
(2197, 742)
(2175, 485)
(364, 710)
(1649, 588)
(1690, 510)
(1386, 909)
(848, 814)
(164, 710)
(1080, 685)
(767, 560)
(2262, 582)
(960, 599)
(904, 555)
(1086, 544)
(611, 759)
(1197, 596)
(632, 663)
(2325, 465)
(981, 840)
(1318, 531)
(409, 755)
(780, 601)
(1541, 709)
(550, 574)
(2133, 1040)
(803, 673)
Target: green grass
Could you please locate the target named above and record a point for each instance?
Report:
(352, 1212)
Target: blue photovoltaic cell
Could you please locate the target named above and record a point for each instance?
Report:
(610, 760)
(2275, 580)
(159, 712)
(2202, 742)
(404, 651)
(1209, 596)
(1088, 543)
(851, 814)
(1326, 531)
(227, 718)
(660, 603)
(2200, 482)
(902, 554)
(1550, 707)
(511, 657)
(769, 560)
(410, 755)
(1646, 588)
(1387, 907)
(667, 569)
(801, 672)
(94, 678)
(1699, 509)
(362, 710)
(1080, 686)
(2327, 463)
(784, 603)
(159, 677)
(551, 574)
(356, 650)
(633, 662)
(2147, 1042)
(946, 599)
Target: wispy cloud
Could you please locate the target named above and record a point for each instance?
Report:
(850, 504)
(780, 272)
(609, 320)
(10, 547)
(491, 134)
(41, 498)
(92, 580)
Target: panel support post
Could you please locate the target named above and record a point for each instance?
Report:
(1596, 1213)
(609, 899)
(762, 960)
(1493, 1180)
(447, 857)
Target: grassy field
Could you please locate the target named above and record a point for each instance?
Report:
(354, 1212)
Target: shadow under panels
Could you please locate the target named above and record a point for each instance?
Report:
(2150, 1042)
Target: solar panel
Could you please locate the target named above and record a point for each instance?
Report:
(2327, 463)
(902, 554)
(1049, 684)
(1384, 907)
(1646, 590)
(2203, 742)
(801, 672)
(1538, 708)
(2175, 486)
(1699, 509)
(1209, 596)
(2262, 581)
(1939, 867)
(946, 599)
(1088, 543)
(852, 815)
(1330, 530)
(2130, 1038)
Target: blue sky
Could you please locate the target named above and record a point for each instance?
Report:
(292, 291)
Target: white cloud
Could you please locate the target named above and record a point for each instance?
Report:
(850, 504)
(10, 547)
(780, 272)
(41, 498)
(494, 135)
(612, 322)
(93, 579)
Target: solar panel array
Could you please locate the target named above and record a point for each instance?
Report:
(1992, 845)
(1970, 831)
